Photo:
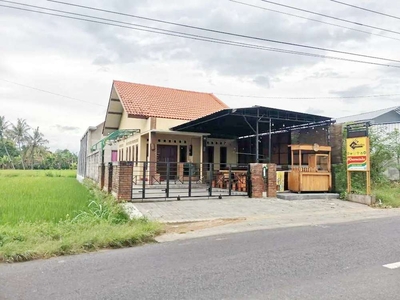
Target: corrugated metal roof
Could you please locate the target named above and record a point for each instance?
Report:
(368, 116)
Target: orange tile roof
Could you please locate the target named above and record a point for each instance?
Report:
(154, 101)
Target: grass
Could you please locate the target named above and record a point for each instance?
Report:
(43, 216)
(30, 199)
(388, 194)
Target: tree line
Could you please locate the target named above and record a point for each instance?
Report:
(22, 147)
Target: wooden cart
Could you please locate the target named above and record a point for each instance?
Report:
(311, 168)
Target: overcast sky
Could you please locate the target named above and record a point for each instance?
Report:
(80, 59)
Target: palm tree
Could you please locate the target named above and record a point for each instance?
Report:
(36, 143)
(19, 133)
(3, 128)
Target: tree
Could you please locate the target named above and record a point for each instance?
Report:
(20, 134)
(381, 156)
(3, 128)
(35, 144)
(394, 146)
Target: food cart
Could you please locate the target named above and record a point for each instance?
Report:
(310, 169)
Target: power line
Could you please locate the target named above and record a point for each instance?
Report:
(200, 38)
(315, 20)
(222, 94)
(224, 32)
(366, 9)
(51, 93)
(327, 16)
(309, 98)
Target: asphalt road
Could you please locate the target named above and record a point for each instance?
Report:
(340, 261)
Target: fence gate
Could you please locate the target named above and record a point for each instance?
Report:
(174, 181)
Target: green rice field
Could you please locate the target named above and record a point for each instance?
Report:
(40, 196)
(49, 213)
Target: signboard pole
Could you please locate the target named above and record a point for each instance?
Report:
(358, 153)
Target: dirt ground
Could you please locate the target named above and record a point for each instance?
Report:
(185, 227)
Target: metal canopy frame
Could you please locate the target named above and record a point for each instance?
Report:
(252, 122)
(114, 137)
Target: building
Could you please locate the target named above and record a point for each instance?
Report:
(194, 139)
(389, 117)
(147, 113)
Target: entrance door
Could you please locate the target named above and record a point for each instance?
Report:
(167, 153)
(223, 157)
(210, 156)
(182, 154)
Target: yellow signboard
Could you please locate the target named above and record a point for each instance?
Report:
(280, 181)
(357, 150)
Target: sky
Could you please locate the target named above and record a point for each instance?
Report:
(75, 61)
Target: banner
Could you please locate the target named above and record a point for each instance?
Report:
(358, 154)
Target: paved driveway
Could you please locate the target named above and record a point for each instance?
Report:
(242, 207)
(243, 214)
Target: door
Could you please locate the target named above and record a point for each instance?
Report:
(223, 157)
(114, 155)
(183, 154)
(210, 156)
(167, 153)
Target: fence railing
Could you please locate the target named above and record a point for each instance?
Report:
(184, 179)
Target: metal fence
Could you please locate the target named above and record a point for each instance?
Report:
(173, 180)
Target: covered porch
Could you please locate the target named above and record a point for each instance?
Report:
(261, 135)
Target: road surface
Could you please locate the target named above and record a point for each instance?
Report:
(336, 261)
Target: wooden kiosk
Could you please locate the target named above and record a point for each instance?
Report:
(311, 168)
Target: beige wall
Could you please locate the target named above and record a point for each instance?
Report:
(231, 150)
(166, 124)
(181, 140)
(134, 123)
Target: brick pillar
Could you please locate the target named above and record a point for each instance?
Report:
(125, 171)
(271, 184)
(257, 181)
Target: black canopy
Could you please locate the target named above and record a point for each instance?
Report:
(241, 122)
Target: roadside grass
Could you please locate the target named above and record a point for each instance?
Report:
(42, 217)
(388, 194)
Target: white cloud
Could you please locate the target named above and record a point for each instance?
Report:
(80, 60)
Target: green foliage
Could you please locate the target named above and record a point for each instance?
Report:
(63, 218)
(389, 194)
(380, 156)
(385, 148)
(394, 146)
(21, 148)
(8, 146)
